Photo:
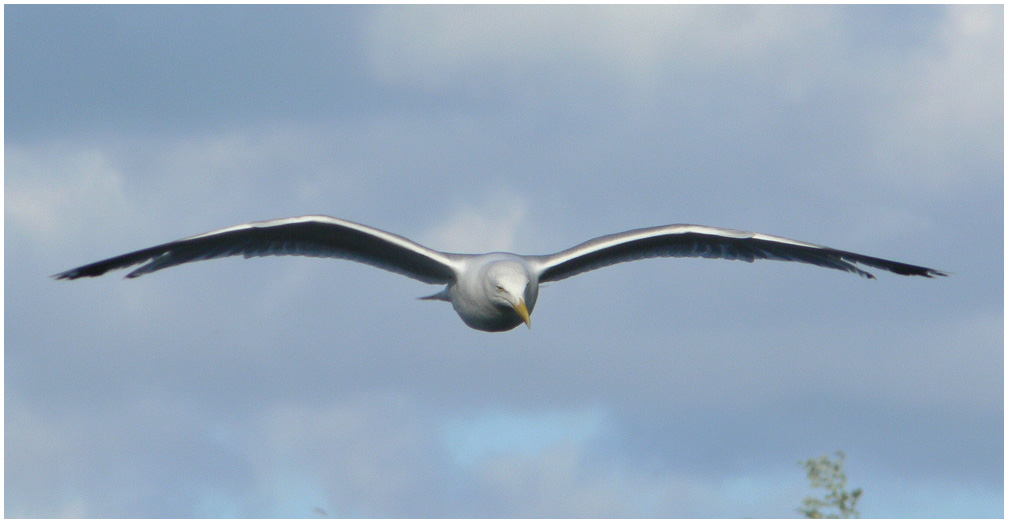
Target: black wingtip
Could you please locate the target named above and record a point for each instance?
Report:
(93, 270)
(918, 271)
(899, 268)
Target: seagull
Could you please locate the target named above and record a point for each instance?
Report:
(493, 291)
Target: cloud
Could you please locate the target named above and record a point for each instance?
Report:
(475, 228)
(390, 454)
(447, 47)
(36, 444)
(372, 454)
(58, 192)
(941, 128)
(900, 113)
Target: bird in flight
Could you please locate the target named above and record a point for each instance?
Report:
(492, 291)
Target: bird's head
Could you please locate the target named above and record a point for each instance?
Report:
(509, 287)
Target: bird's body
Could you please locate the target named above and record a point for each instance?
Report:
(492, 291)
(476, 294)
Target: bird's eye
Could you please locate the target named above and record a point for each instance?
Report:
(499, 287)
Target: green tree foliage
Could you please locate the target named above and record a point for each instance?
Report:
(824, 473)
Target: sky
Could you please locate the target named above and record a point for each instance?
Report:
(298, 387)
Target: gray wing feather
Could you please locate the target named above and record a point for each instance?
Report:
(312, 236)
(684, 240)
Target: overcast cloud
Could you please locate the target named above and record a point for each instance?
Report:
(289, 387)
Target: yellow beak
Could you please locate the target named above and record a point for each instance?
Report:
(523, 312)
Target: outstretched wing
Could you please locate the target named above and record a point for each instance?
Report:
(312, 236)
(684, 240)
